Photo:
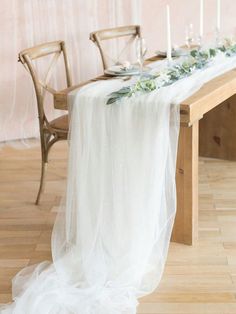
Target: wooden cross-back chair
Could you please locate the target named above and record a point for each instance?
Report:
(57, 129)
(133, 31)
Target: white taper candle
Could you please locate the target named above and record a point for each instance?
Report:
(218, 15)
(169, 48)
(201, 17)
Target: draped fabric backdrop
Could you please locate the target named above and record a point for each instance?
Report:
(25, 23)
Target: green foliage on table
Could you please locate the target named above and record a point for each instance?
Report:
(197, 59)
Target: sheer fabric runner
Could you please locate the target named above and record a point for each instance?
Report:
(111, 236)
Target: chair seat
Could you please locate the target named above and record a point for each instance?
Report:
(61, 123)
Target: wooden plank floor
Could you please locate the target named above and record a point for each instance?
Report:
(197, 280)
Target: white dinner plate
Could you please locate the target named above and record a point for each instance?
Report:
(175, 53)
(117, 70)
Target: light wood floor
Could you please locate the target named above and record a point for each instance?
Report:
(197, 280)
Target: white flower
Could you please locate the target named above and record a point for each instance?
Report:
(163, 76)
(159, 83)
(229, 42)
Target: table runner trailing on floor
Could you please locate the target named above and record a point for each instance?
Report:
(111, 236)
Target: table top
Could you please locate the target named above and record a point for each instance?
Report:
(192, 109)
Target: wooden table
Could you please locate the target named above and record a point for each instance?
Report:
(218, 91)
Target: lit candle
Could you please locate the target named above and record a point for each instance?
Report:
(169, 48)
(201, 18)
(218, 15)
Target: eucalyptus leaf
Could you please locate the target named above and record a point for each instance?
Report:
(193, 53)
(111, 101)
(212, 52)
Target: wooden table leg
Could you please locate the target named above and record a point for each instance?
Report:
(186, 222)
(217, 131)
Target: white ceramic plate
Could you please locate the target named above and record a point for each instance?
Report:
(175, 53)
(116, 70)
(120, 71)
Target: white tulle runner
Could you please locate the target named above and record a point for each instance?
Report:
(111, 236)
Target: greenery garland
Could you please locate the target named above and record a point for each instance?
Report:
(197, 59)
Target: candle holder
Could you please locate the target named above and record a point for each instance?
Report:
(189, 35)
(217, 37)
(199, 42)
(170, 62)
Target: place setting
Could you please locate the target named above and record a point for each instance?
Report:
(125, 70)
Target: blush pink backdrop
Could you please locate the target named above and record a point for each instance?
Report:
(25, 23)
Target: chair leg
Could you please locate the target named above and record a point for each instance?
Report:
(41, 186)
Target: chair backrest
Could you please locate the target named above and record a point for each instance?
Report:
(27, 56)
(97, 37)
